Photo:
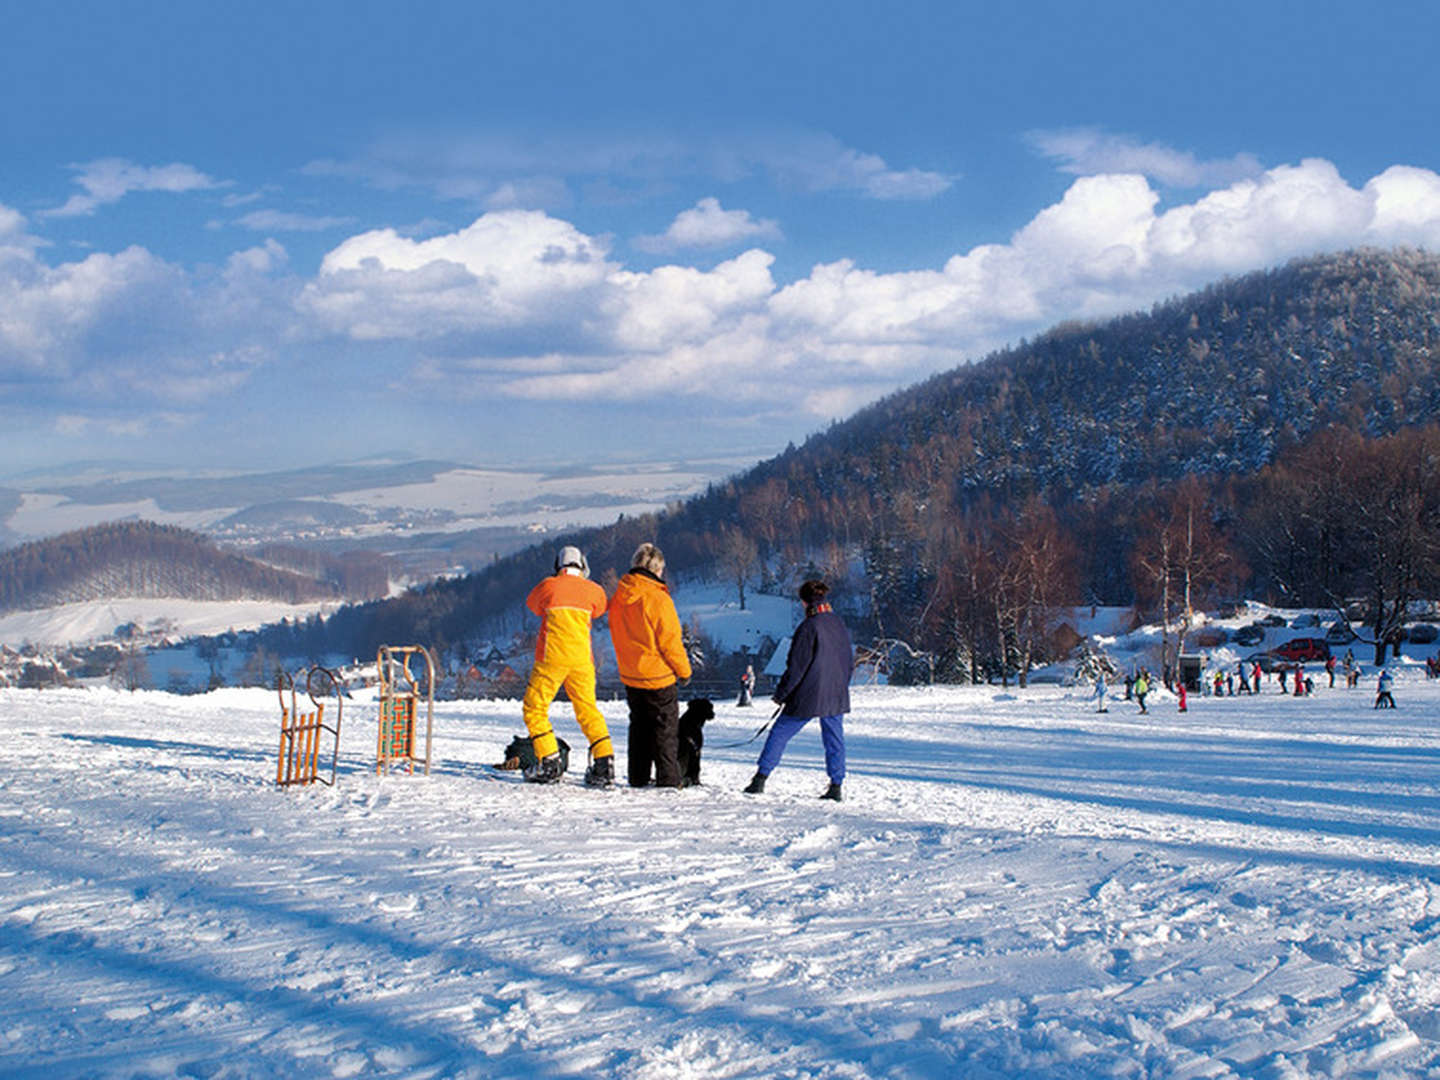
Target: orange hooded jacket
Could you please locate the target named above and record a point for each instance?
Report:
(646, 631)
(566, 603)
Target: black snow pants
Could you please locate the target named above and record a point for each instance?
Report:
(654, 737)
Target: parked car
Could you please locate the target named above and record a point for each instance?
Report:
(1423, 634)
(1250, 635)
(1302, 649)
(1304, 622)
(1209, 637)
(1264, 659)
(1272, 620)
(1339, 633)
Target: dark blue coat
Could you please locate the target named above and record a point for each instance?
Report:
(818, 668)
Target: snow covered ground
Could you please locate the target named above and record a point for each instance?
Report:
(1016, 886)
(95, 620)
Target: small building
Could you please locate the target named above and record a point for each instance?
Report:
(1191, 667)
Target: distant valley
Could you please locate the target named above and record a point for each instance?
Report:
(426, 518)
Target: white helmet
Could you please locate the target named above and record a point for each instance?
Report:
(573, 557)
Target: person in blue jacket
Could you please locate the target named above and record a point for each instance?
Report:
(816, 683)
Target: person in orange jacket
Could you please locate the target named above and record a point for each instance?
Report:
(566, 604)
(651, 654)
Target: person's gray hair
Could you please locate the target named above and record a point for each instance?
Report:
(648, 557)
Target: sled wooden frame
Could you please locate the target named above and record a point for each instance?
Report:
(400, 696)
(301, 733)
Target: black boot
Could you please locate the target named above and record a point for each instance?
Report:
(832, 793)
(601, 772)
(546, 771)
(756, 785)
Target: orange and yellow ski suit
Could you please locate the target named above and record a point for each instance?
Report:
(566, 604)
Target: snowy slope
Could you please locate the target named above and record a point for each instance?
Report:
(1015, 886)
(97, 619)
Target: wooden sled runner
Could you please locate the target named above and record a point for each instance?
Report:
(302, 733)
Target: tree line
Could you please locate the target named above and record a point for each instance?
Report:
(141, 558)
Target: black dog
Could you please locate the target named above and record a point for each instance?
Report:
(692, 738)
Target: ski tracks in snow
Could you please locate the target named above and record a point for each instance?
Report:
(1015, 888)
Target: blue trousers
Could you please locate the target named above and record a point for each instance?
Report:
(832, 734)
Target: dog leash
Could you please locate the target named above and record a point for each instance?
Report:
(745, 742)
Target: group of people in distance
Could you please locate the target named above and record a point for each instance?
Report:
(1139, 685)
(650, 653)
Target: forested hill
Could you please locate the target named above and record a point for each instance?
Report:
(141, 559)
(1219, 383)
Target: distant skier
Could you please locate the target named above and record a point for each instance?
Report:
(1100, 692)
(747, 686)
(1183, 699)
(1330, 670)
(816, 683)
(1384, 699)
(1142, 687)
(566, 604)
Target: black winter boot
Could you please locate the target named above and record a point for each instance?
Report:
(601, 772)
(832, 793)
(546, 771)
(756, 785)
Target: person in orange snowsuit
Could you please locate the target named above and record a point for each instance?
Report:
(650, 652)
(566, 604)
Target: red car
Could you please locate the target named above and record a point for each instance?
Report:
(1302, 649)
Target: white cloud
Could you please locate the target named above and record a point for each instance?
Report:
(12, 224)
(528, 192)
(515, 270)
(130, 427)
(524, 305)
(282, 221)
(679, 304)
(708, 225)
(1089, 152)
(110, 179)
(822, 163)
(117, 329)
(528, 172)
(845, 332)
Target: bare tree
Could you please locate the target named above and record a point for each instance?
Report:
(1394, 512)
(1180, 559)
(1153, 571)
(739, 556)
(1202, 556)
(131, 672)
(1037, 573)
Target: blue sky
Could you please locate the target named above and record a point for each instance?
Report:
(550, 233)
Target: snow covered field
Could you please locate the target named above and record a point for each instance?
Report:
(97, 620)
(1015, 886)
